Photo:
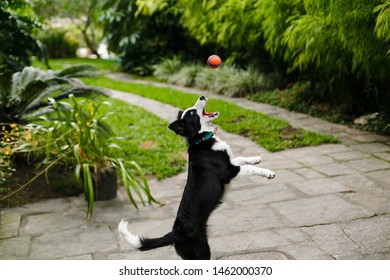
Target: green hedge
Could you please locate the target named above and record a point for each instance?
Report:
(58, 44)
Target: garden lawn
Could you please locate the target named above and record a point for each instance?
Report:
(270, 133)
(146, 139)
(101, 64)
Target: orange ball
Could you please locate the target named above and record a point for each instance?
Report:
(214, 61)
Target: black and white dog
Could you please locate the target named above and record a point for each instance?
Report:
(211, 167)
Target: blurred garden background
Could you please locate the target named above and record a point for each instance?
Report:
(329, 59)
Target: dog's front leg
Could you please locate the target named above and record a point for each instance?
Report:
(247, 170)
(238, 161)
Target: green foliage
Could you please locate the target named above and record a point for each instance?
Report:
(159, 152)
(101, 64)
(167, 67)
(382, 27)
(11, 138)
(27, 96)
(18, 24)
(232, 26)
(142, 32)
(58, 44)
(293, 30)
(84, 16)
(79, 138)
(227, 80)
(185, 76)
(353, 68)
(299, 98)
(342, 48)
(264, 130)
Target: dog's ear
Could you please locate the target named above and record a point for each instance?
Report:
(179, 127)
(179, 115)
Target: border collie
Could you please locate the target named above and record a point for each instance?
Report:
(211, 167)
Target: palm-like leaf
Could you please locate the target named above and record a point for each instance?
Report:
(77, 71)
(28, 95)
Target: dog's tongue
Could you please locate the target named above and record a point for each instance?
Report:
(210, 115)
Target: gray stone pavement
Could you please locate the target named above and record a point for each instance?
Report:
(326, 202)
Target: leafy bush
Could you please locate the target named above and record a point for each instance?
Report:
(18, 24)
(167, 67)
(227, 80)
(12, 137)
(142, 32)
(58, 44)
(185, 76)
(27, 96)
(236, 82)
(79, 138)
(206, 79)
(341, 48)
(299, 97)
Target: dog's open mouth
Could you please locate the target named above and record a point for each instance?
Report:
(209, 115)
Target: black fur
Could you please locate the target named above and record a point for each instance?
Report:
(210, 169)
(208, 172)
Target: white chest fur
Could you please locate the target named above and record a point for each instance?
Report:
(220, 145)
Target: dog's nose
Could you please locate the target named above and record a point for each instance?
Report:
(202, 98)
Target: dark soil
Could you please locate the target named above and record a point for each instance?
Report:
(56, 182)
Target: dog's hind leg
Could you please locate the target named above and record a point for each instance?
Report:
(193, 251)
(247, 170)
(238, 161)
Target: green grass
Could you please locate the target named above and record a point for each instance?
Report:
(298, 99)
(61, 63)
(272, 134)
(147, 139)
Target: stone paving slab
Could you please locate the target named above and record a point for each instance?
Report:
(332, 239)
(72, 243)
(262, 195)
(39, 224)
(9, 225)
(246, 242)
(334, 169)
(266, 255)
(16, 248)
(326, 202)
(320, 210)
(320, 186)
(373, 235)
(250, 219)
(306, 251)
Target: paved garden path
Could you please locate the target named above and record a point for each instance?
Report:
(326, 202)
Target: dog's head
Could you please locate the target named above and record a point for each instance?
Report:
(194, 120)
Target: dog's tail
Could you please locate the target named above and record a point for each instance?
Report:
(144, 244)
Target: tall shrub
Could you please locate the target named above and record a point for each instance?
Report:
(233, 26)
(18, 26)
(335, 46)
(341, 46)
(58, 44)
(143, 31)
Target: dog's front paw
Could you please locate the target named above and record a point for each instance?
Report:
(270, 175)
(257, 160)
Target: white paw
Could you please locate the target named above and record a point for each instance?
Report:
(257, 160)
(270, 175)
